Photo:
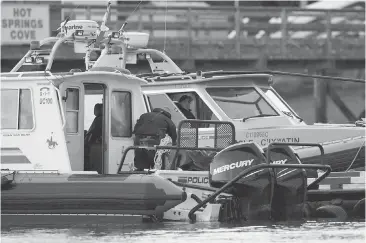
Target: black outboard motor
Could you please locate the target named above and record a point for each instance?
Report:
(253, 193)
(290, 190)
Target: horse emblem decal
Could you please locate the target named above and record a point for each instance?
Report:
(51, 144)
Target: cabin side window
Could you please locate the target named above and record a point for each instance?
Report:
(192, 107)
(72, 110)
(121, 114)
(16, 109)
(181, 108)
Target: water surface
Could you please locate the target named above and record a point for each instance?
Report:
(310, 231)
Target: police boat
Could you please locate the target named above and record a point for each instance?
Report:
(50, 174)
(260, 114)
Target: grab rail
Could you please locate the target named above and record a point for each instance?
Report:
(160, 147)
(328, 169)
(42, 42)
(54, 49)
(270, 72)
(297, 144)
(300, 144)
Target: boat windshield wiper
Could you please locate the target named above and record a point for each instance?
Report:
(261, 115)
(300, 119)
(290, 114)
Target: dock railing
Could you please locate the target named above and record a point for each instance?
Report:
(332, 88)
(289, 33)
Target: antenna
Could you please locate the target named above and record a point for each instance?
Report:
(100, 35)
(103, 28)
(120, 31)
(166, 11)
(125, 23)
(67, 19)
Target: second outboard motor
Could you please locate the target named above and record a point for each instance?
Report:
(253, 193)
(291, 185)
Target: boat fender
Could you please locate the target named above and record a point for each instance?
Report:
(152, 218)
(5, 183)
(337, 202)
(308, 210)
(359, 209)
(4, 180)
(331, 211)
(184, 195)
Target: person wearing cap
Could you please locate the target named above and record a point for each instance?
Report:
(151, 128)
(184, 105)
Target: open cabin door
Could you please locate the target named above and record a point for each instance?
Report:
(120, 113)
(73, 102)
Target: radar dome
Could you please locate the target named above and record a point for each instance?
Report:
(85, 27)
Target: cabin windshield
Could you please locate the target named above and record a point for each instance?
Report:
(241, 102)
(277, 101)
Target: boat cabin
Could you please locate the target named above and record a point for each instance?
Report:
(70, 121)
(75, 121)
(247, 100)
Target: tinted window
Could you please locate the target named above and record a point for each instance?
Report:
(25, 109)
(277, 101)
(121, 114)
(16, 109)
(72, 110)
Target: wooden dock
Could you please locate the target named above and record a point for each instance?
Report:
(204, 33)
(342, 180)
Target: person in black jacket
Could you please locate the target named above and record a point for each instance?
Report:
(184, 104)
(94, 135)
(152, 127)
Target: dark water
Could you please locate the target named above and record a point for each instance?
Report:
(310, 231)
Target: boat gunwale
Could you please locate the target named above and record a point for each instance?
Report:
(212, 80)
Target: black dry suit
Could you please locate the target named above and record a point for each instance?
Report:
(153, 126)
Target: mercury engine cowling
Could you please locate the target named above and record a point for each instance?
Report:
(291, 185)
(254, 191)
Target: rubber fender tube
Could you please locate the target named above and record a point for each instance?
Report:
(4, 181)
(359, 209)
(307, 210)
(331, 211)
